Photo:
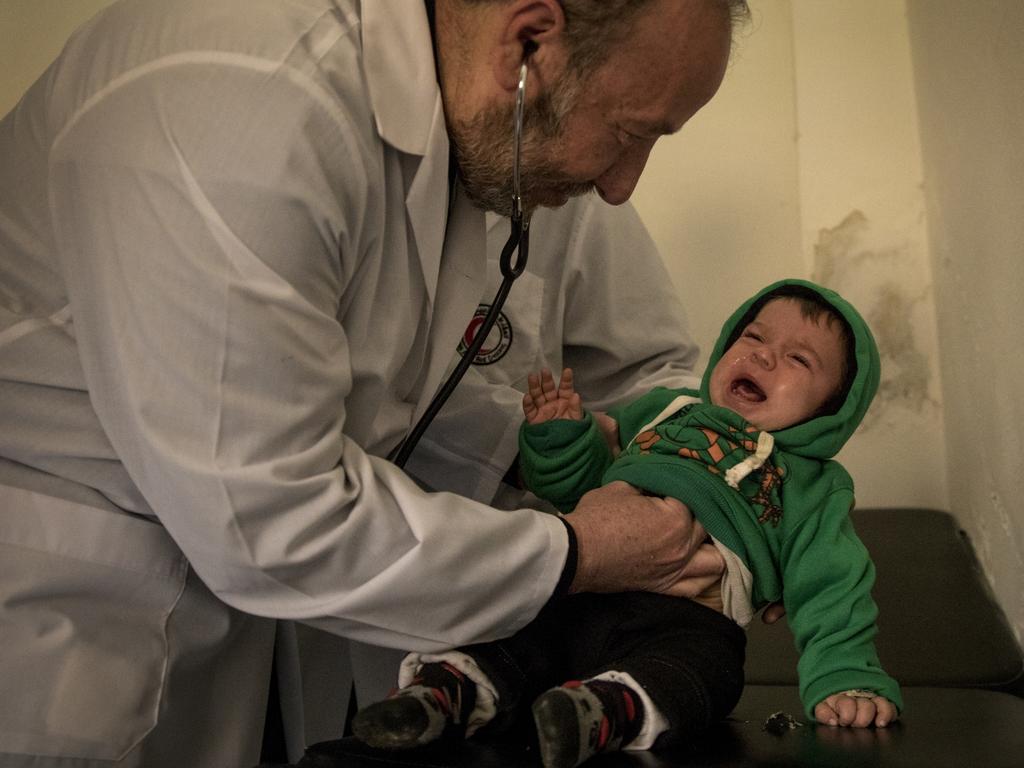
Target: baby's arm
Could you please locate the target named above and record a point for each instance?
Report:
(562, 450)
(545, 402)
(858, 710)
(828, 576)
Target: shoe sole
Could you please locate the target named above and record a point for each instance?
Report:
(398, 723)
(558, 730)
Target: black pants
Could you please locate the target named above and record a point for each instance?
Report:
(687, 657)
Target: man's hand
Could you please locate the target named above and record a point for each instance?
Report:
(544, 401)
(631, 542)
(703, 570)
(855, 711)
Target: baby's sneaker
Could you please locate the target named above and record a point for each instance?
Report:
(419, 714)
(578, 720)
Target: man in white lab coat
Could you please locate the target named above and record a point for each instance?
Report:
(234, 259)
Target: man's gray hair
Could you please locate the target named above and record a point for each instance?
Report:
(594, 26)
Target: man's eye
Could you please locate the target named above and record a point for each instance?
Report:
(752, 335)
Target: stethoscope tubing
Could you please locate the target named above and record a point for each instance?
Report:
(519, 242)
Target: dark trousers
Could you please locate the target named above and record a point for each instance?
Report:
(687, 657)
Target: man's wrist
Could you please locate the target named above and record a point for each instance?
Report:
(571, 561)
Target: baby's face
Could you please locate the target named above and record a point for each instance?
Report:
(781, 370)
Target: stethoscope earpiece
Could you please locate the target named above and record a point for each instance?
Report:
(517, 133)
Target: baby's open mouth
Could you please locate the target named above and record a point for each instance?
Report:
(748, 390)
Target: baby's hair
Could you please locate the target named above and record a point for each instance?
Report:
(812, 307)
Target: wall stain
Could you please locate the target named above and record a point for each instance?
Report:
(864, 274)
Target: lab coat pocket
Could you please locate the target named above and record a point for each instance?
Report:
(85, 595)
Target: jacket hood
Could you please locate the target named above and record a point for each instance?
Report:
(823, 436)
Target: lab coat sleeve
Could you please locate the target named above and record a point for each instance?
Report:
(209, 221)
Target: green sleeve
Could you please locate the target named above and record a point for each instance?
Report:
(563, 459)
(828, 576)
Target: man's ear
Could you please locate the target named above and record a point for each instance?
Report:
(534, 28)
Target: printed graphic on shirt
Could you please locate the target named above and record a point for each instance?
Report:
(498, 341)
(767, 495)
(719, 447)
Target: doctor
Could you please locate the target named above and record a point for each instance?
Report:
(235, 257)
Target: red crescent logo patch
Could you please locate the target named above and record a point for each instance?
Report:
(498, 341)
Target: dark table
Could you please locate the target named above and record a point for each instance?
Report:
(944, 728)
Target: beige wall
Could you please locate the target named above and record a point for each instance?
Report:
(722, 197)
(864, 231)
(969, 73)
(810, 163)
(32, 33)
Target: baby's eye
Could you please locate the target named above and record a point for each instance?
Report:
(753, 335)
(801, 360)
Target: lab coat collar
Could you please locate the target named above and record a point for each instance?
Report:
(406, 99)
(399, 59)
(400, 73)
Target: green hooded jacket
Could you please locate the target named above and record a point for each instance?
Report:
(781, 519)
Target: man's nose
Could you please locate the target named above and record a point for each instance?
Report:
(617, 183)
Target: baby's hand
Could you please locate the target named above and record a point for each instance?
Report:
(543, 402)
(855, 711)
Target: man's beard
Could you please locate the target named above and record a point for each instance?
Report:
(484, 149)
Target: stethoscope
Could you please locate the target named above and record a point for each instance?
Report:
(519, 241)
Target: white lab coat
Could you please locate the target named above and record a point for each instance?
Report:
(226, 291)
